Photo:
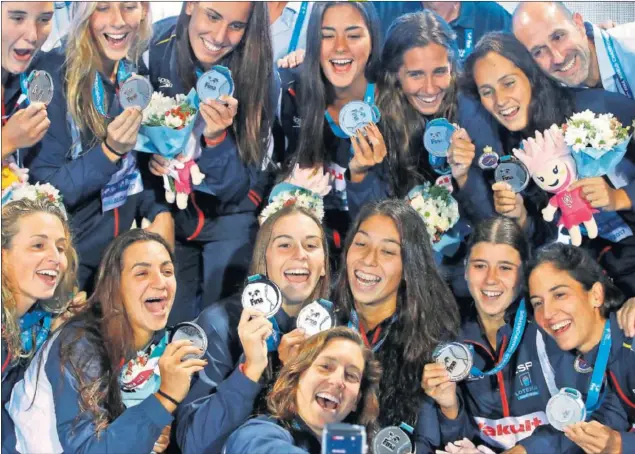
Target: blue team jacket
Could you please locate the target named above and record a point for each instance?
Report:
(81, 180)
(227, 210)
(265, 435)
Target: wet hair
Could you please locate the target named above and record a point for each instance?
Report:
(281, 400)
(550, 103)
(402, 125)
(107, 330)
(582, 268)
(315, 92)
(251, 65)
(427, 313)
(12, 213)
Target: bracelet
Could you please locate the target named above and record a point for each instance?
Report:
(171, 399)
(121, 155)
(217, 140)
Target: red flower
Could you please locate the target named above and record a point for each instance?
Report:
(290, 202)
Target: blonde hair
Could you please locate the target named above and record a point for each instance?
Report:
(12, 212)
(82, 57)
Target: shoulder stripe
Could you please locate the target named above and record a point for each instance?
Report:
(167, 39)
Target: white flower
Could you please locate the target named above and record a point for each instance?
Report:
(173, 122)
(438, 209)
(299, 197)
(585, 129)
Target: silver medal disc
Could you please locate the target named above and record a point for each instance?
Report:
(355, 115)
(213, 84)
(262, 295)
(314, 318)
(456, 358)
(514, 173)
(40, 87)
(565, 408)
(392, 440)
(191, 331)
(136, 91)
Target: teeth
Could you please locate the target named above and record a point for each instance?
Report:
(329, 397)
(211, 46)
(342, 62)
(491, 294)
(154, 300)
(508, 111)
(298, 271)
(564, 69)
(51, 273)
(428, 100)
(366, 278)
(122, 36)
(558, 326)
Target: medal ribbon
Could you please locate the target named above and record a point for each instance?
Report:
(593, 396)
(298, 27)
(468, 34)
(620, 77)
(376, 343)
(369, 98)
(123, 73)
(517, 334)
(38, 322)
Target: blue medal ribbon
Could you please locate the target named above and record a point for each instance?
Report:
(517, 334)
(123, 73)
(369, 98)
(24, 87)
(36, 322)
(468, 34)
(620, 76)
(593, 400)
(274, 340)
(353, 323)
(293, 45)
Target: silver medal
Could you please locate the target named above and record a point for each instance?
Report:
(457, 359)
(192, 332)
(355, 115)
(215, 83)
(513, 172)
(566, 408)
(262, 295)
(314, 318)
(40, 87)
(136, 91)
(392, 440)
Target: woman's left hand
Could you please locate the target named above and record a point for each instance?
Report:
(594, 438)
(600, 194)
(292, 59)
(368, 151)
(460, 155)
(626, 317)
(218, 115)
(163, 441)
(290, 345)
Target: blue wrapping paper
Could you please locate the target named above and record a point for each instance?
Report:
(592, 162)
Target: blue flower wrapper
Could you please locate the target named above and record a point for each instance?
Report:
(164, 140)
(592, 162)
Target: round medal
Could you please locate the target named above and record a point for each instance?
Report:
(40, 87)
(263, 295)
(565, 408)
(392, 440)
(136, 91)
(314, 318)
(356, 115)
(437, 137)
(513, 172)
(191, 331)
(457, 359)
(488, 161)
(215, 83)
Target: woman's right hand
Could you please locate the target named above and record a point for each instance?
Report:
(176, 372)
(508, 203)
(25, 128)
(436, 384)
(460, 155)
(253, 330)
(123, 130)
(218, 115)
(290, 345)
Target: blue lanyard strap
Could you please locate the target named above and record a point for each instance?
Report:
(593, 396)
(517, 334)
(468, 34)
(36, 322)
(297, 29)
(274, 340)
(353, 323)
(24, 87)
(369, 98)
(620, 76)
(123, 73)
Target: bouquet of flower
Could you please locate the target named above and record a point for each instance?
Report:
(167, 124)
(439, 211)
(598, 142)
(286, 194)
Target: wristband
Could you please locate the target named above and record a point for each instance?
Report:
(171, 399)
(121, 155)
(217, 140)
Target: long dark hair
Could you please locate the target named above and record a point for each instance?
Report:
(550, 103)
(402, 126)
(315, 92)
(251, 64)
(106, 328)
(427, 313)
(580, 266)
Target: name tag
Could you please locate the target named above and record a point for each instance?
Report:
(124, 183)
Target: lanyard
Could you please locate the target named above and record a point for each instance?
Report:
(38, 322)
(519, 328)
(24, 88)
(369, 98)
(98, 86)
(297, 29)
(593, 396)
(468, 34)
(620, 76)
(274, 340)
(375, 345)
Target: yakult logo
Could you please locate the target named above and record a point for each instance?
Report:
(507, 432)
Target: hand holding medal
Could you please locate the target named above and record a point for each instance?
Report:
(218, 107)
(254, 330)
(437, 383)
(177, 371)
(460, 155)
(24, 128)
(122, 133)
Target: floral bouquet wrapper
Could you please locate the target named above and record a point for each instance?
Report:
(592, 162)
(167, 136)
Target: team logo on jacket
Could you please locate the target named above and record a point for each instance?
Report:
(507, 432)
(527, 388)
(165, 83)
(582, 366)
(297, 122)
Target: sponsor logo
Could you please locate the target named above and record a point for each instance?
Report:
(507, 432)
(297, 122)
(523, 367)
(165, 83)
